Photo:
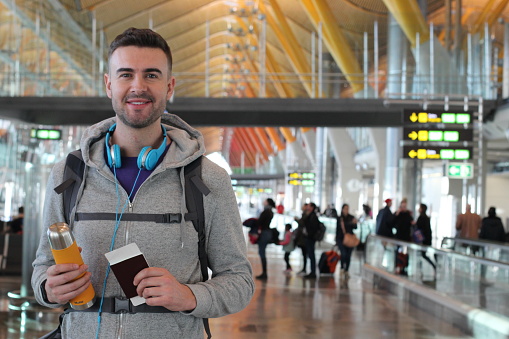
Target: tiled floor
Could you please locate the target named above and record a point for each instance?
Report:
(288, 306)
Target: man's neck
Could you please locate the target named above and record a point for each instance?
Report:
(132, 140)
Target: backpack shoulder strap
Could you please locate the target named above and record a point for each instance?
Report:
(195, 189)
(73, 177)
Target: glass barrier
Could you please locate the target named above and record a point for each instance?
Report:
(497, 251)
(479, 282)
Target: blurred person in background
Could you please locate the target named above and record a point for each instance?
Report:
(263, 222)
(16, 225)
(300, 240)
(423, 224)
(385, 220)
(492, 228)
(468, 226)
(345, 223)
(311, 226)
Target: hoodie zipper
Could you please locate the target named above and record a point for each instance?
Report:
(130, 208)
(120, 333)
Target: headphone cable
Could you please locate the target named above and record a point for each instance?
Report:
(113, 237)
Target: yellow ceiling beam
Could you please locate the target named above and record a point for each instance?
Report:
(466, 14)
(274, 136)
(287, 133)
(495, 14)
(336, 42)
(257, 143)
(479, 23)
(262, 135)
(250, 157)
(252, 145)
(409, 17)
(290, 44)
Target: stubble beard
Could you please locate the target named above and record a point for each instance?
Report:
(132, 121)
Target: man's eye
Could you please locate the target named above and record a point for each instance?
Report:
(152, 76)
(124, 75)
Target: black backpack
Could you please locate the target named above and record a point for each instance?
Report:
(320, 232)
(195, 189)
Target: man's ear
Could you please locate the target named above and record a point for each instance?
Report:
(107, 84)
(171, 87)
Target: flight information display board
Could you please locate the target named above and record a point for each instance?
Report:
(438, 135)
(437, 153)
(301, 178)
(415, 117)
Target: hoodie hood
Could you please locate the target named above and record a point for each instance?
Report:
(187, 143)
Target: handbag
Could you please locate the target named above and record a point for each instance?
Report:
(349, 239)
(418, 236)
(253, 237)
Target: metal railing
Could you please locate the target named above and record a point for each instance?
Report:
(498, 251)
(382, 252)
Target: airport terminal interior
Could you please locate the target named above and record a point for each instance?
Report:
(387, 106)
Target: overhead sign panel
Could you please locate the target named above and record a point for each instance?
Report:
(437, 153)
(460, 170)
(437, 135)
(301, 178)
(412, 117)
(46, 134)
(301, 175)
(301, 182)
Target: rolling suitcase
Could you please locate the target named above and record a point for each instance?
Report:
(328, 261)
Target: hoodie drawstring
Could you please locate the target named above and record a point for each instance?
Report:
(183, 207)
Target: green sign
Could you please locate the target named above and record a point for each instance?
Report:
(301, 182)
(437, 153)
(301, 175)
(435, 135)
(412, 117)
(460, 170)
(46, 134)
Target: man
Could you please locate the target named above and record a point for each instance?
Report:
(468, 224)
(119, 181)
(385, 220)
(311, 225)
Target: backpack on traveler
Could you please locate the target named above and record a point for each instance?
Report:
(320, 233)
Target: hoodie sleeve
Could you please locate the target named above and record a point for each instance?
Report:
(231, 287)
(52, 213)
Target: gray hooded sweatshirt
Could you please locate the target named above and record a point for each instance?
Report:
(171, 246)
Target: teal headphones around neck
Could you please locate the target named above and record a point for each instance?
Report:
(147, 159)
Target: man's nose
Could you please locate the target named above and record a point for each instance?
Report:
(138, 85)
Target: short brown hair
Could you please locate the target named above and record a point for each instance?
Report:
(141, 37)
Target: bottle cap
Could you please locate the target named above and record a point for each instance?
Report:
(60, 236)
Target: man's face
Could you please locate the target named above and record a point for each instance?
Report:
(139, 84)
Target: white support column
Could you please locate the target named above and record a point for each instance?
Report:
(350, 180)
(379, 140)
(310, 139)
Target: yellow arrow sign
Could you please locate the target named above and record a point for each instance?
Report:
(413, 135)
(412, 154)
(413, 117)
